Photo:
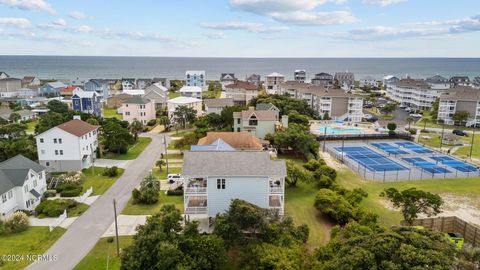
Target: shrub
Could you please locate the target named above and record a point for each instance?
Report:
(50, 193)
(330, 172)
(110, 171)
(148, 192)
(412, 131)
(18, 222)
(152, 122)
(176, 192)
(54, 208)
(72, 192)
(70, 178)
(2, 229)
(110, 239)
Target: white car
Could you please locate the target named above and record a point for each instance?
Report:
(416, 115)
(173, 177)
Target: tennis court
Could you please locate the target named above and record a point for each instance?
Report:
(373, 161)
(391, 149)
(414, 147)
(455, 163)
(426, 165)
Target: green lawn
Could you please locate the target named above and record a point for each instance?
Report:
(31, 126)
(174, 156)
(77, 210)
(111, 113)
(465, 151)
(104, 254)
(433, 141)
(162, 175)
(35, 240)
(299, 205)
(133, 152)
(142, 209)
(462, 187)
(172, 95)
(99, 182)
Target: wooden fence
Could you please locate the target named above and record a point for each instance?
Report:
(470, 232)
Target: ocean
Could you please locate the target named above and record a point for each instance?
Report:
(87, 67)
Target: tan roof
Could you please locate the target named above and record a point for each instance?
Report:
(238, 140)
(318, 90)
(242, 85)
(261, 115)
(121, 96)
(412, 83)
(77, 127)
(463, 93)
(218, 102)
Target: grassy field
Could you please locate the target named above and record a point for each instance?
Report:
(461, 187)
(99, 182)
(77, 210)
(162, 175)
(133, 152)
(433, 141)
(35, 240)
(31, 126)
(111, 113)
(465, 151)
(141, 209)
(104, 254)
(299, 205)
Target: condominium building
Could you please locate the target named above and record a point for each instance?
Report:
(417, 94)
(338, 104)
(459, 99)
(272, 81)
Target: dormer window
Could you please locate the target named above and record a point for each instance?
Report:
(253, 121)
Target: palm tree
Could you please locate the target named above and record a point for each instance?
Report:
(160, 163)
(14, 117)
(135, 128)
(165, 122)
(425, 121)
(409, 121)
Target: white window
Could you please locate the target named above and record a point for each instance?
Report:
(4, 198)
(220, 183)
(10, 194)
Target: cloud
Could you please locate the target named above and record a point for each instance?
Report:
(217, 35)
(16, 22)
(75, 14)
(248, 26)
(382, 3)
(298, 12)
(34, 5)
(413, 30)
(60, 23)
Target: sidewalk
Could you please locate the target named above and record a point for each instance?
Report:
(45, 222)
(111, 162)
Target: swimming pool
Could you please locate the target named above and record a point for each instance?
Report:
(335, 131)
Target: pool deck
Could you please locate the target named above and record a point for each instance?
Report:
(315, 128)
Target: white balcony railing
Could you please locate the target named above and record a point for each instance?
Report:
(276, 190)
(196, 190)
(196, 210)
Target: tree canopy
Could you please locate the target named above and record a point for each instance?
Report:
(285, 104)
(295, 138)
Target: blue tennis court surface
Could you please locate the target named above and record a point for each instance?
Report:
(415, 147)
(426, 165)
(371, 160)
(388, 148)
(455, 163)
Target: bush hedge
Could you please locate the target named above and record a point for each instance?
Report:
(110, 171)
(54, 208)
(152, 122)
(176, 192)
(18, 222)
(69, 190)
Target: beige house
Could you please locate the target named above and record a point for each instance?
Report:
(116, 102)
(272, 81)
(258, 123)
(216, 105)
(241, 92)
(460, 98)
(194, 103)
(138, 108)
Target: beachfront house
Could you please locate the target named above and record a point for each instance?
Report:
(162, 81)
(190, 102)
(344, 80)
(22, 185)
(191, 91)
(216, 105)
(128, 84)
(30, 81)
(211, 182)
(323, 79)
(3, 75)
(241, 92)
(87, 102)
(70, 146)
(138, 108)
(459, 81)
(254, 79)
(369, 82)
(101, 87)
(144, 83)
(300, 75)
(438, 82)
(227, 79)
(52, 88)
(389, 79)
(272, 81)
(460, 99)
(259, 123)
(9, 87)
(195, 78)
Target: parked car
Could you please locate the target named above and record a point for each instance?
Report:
(408, 109)
(416, 115)
(173, 177)
(459, 132)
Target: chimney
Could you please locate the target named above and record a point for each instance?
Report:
(77, 117)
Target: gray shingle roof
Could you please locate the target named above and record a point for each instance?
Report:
(236, 163)
(13, 172)
(463, 93)
(261, 115)
(264, 106)
(137, 100)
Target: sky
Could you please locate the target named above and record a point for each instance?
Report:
(241, 28)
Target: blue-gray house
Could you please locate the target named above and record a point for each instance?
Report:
(99, 86)
(53, 88)
(87, 102)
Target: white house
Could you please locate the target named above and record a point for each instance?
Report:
(272, 81)
(70, 146)
(128, 84)
(212, 179)
(22, 184)
(194, 103)
(191, 91)
(368, 81)
(134, 92)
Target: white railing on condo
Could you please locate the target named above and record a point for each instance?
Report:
(196, 190)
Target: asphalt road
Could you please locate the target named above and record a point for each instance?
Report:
(84, 233)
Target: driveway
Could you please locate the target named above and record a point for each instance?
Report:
(84, 233)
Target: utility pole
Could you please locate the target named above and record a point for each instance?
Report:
(166, 154)
(324, 138)
(473, 140)
(116, 225)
